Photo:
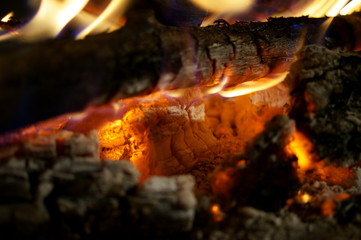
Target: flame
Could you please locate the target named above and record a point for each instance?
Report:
(351, 7)
(321, 8)
(224, 6)
(302, 147)
(217, 213)
(53, 15)
(254, 86)
(114, 8)
(7, 17)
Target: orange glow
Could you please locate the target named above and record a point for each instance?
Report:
(242, 164)
(126, 139)
(304, 197)
(217, 213)
(329, 205)
(302, 147)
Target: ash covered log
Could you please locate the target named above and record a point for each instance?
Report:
(56, 187)
(46, 79)
(327, 104)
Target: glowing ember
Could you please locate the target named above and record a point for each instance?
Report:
(301, 146)
(328, 207)
(304, 197)
(217, 213)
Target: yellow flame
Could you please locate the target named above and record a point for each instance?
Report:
(7, 17)
(254, 86)
(335, 10)
(50, 19)
(301, 146)
(351, 7)
(224, 6)
(320, 8)
(115, 7)
(53, 15)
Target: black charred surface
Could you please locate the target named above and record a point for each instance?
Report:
(270, 177)
(327, 104)
(42, 80)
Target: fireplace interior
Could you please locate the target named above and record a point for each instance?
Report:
(185, 119)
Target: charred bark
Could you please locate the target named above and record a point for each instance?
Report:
(42, 80)
(56, 187)
(327, 104)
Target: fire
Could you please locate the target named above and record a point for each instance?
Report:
(302, 147)
(304, 197)
(321, 8)
(311, 166)
(54, 15)
(7, 17)
(254, 86)
(329, 205)
(217, 213)
(351, 7)
(224, 6)
(311, 8)
(114, 8)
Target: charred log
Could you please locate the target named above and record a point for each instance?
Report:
(46, 79)
(58, 188)
(265, 177)
(326, 86)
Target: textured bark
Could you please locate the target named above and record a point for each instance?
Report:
(326, 94)
(56, 187)
(42, 80)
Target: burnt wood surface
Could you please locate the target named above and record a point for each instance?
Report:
(327, 103)
(42, 80)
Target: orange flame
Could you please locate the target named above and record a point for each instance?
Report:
(302, 147)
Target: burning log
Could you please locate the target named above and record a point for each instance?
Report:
(327, 105)
(46, 79)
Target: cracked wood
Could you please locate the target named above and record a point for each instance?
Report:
(43, 80)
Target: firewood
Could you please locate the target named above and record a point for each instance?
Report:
(327, 104)
(162, 206)
(42, 80)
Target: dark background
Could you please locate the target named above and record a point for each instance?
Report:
(22, 8)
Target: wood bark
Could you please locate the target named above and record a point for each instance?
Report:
(42, 80)
(327, 103)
